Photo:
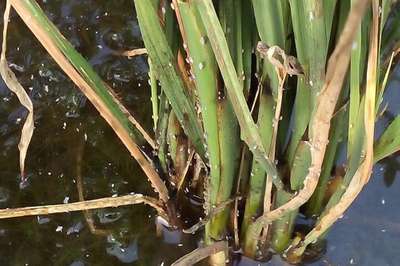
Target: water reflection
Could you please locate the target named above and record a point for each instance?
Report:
(65, 122)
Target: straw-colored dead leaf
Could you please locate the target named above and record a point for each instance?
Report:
(12, 83)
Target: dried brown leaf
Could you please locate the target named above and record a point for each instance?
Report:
(12, 83)
(202, 253)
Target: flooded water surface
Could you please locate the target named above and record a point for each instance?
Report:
(73, 145)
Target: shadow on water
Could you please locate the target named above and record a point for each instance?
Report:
(67, 125)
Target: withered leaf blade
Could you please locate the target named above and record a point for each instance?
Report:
(12, 83)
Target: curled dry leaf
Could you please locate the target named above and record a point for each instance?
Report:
(12, 83)
(278, 58)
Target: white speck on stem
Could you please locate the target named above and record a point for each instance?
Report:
(311, 16)
(203, 40)
(354, 45)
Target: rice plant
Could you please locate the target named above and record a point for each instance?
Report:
(253, 102)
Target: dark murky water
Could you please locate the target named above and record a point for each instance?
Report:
(67, 127)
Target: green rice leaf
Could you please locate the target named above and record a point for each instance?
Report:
(164, 64)
(389, 142)
(249, 131)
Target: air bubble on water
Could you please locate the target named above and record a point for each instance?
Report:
(42, 220)
(66, 199)
(76, 228)
(17, 67)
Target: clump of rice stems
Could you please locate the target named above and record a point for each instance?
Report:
(252, 102)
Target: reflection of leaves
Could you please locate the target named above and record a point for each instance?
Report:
(391, 166)
(106, 216)
(125, 254)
